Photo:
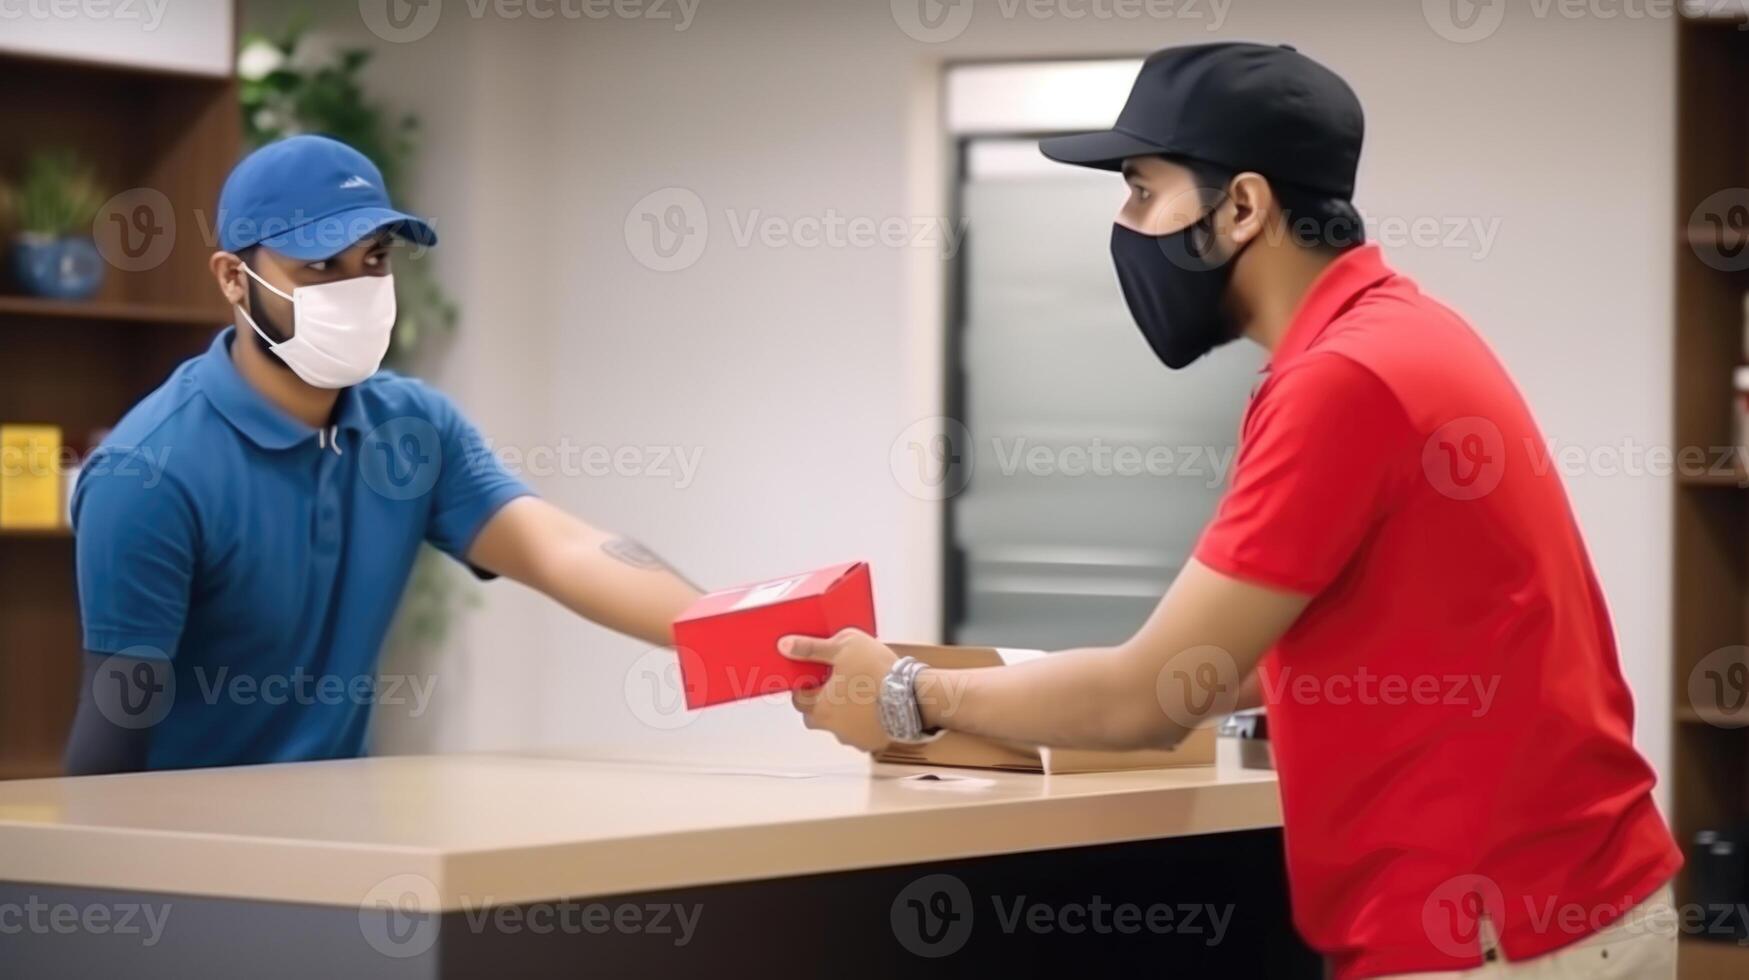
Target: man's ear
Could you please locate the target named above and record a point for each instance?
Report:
(228, 272)
(1252, 199)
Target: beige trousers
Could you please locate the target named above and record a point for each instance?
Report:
(1641, 945)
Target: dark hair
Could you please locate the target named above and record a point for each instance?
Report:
(1314, 219)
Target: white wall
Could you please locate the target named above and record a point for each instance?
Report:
(191, 36)
(794, 369)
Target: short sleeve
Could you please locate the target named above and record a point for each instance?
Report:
(1323, 455)
(134, 532)
(472, 484)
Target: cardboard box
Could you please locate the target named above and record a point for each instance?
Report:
(30, 476)
(727, 640)
(1250, 729)
(972, 752)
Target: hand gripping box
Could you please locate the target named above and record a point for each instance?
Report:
(970, 751)
(727, 640)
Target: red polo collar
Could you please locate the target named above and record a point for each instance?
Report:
(1342, 281)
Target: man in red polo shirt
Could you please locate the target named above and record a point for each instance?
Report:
(1394, 571)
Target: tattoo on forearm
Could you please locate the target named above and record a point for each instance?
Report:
(633, 553)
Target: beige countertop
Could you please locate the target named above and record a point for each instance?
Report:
(460, 831)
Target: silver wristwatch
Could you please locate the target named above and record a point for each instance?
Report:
(901, 718)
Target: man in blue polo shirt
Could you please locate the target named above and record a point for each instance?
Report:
(245, 533)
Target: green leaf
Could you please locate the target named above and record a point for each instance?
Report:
(58, 194)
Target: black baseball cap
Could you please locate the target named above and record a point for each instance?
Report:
(1258, 107)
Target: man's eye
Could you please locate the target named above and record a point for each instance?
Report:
(321, 266)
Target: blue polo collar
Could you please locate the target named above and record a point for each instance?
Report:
(250, 413)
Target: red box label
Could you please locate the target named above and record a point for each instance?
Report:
(727, 640)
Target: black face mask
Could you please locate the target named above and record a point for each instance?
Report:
(1174, 289)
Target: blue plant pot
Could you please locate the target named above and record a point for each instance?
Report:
(57, 268)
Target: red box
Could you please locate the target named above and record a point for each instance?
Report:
(727, 640)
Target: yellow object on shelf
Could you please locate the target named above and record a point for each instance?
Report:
(30, 476)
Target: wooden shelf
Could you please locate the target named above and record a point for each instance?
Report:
(201, 317)
(1689, 715)
(36, 532)
(81, 365)
(1718, 237)
(1728, 22)
(1709, 759)
(1730, 481)
(31, 769)
(148, 74)
(1709, 958)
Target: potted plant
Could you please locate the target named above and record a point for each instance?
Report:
(52, 208)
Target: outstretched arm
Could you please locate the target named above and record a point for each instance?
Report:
(614, 581)
(1187, 664)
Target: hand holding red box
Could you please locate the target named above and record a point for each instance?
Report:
(727, 640)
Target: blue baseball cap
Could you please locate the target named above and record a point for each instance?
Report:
(309, 198)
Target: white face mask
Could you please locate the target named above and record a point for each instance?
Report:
(340, 329)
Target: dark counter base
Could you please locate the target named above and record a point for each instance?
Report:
(1184, 907)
